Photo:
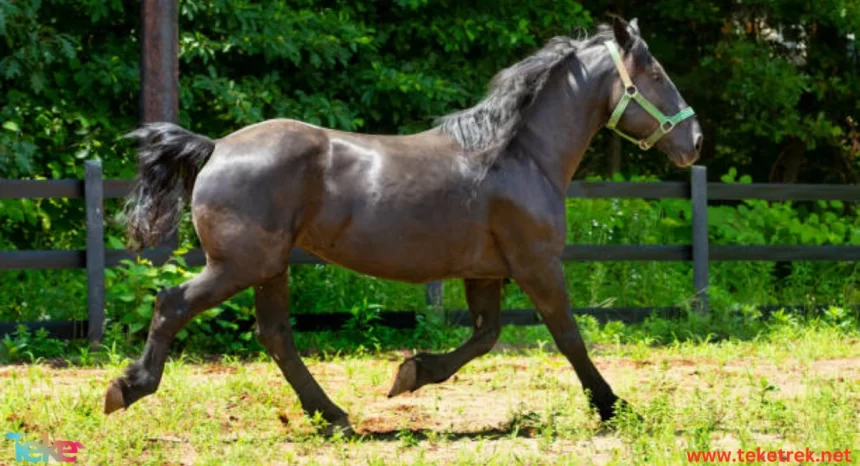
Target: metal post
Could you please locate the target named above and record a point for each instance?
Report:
(699, 197)
(94, 197)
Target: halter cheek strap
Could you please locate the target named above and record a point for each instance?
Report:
(632, 93)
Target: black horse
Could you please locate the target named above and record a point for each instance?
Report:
(480, 197)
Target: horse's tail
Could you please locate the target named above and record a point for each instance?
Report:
(169, 159)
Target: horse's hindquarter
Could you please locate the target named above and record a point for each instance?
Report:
(249, 196)
(403, 208)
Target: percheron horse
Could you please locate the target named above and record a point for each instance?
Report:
(480, 197)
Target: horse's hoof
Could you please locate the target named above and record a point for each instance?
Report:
(609, 413)
(406, 379)
(341, 426)
(113, 398)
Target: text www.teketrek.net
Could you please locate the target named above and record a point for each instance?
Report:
(769, 456)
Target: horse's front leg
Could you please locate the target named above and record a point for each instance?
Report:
(484, 300)
(543, 281)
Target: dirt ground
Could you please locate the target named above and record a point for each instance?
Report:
(497, 405)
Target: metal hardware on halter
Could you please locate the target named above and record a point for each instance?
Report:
(631, 92)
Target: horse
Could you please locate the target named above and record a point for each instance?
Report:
(480, 197)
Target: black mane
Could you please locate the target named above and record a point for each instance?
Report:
(491, 124)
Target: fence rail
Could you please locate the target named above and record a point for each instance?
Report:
(115, 189)
(41, 260)
(94, 189)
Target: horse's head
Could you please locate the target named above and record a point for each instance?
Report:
(645, 106)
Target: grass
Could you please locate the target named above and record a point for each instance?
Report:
(788, 385)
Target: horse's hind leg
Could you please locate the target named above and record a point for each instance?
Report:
(484, 298)
(275, 333)
(174, 308)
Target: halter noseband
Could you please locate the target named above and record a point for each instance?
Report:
(632, 93)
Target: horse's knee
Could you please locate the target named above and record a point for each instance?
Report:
(167, 312)
(272, 335)
(265, 336)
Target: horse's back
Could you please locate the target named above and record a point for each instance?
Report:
(396, 144)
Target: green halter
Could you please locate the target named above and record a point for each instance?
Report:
(632, 93)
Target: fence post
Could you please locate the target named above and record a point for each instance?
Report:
(159, 71)
(433, 293)
(699, 197)
(94, 195)
(159, 61)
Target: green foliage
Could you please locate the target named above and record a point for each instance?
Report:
(32, 295)
(69, 80)
(774, 83)
(321, 289)
(25, 345)
(736, 323)
(761, 76)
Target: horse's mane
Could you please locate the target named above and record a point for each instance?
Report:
(487, 128)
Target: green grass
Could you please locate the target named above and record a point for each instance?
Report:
(782, 383)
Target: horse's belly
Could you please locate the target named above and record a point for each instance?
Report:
(414, 255)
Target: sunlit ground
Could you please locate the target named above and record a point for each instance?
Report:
(796, 390)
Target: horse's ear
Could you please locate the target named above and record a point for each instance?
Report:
(634, 26)
(621, 30)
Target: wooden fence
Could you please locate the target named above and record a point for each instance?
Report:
(94, 189)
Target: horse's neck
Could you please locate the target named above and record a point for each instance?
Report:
(568, 113)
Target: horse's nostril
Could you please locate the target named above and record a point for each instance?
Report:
(699, 139)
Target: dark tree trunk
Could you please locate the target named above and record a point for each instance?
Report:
(613, 156)
(789, 162)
